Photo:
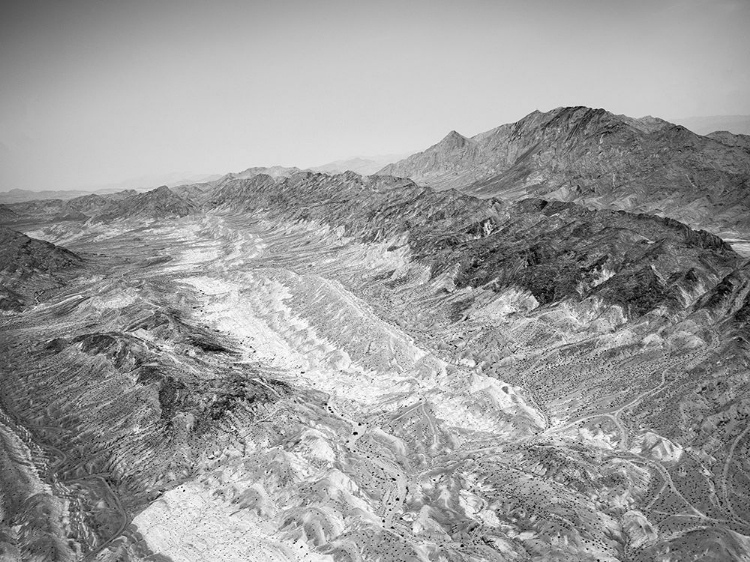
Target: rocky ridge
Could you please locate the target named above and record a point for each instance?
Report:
(554, 250)
(600, 160)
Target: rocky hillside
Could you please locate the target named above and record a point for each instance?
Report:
(29, 267)
(555, 251)
(7, 214)
(600, 160)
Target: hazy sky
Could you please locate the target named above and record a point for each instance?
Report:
(95, 92)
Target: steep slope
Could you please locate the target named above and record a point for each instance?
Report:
(29, 267)
(598, 159)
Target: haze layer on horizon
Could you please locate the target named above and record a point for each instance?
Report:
(96, 92)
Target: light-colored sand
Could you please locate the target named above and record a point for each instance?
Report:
(190, 524)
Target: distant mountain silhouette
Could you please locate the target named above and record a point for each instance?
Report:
(360, 165)
(273, 171)
(703, 125)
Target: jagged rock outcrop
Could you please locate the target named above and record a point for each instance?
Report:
(598, 159)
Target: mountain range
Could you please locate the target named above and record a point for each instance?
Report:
(600, 160)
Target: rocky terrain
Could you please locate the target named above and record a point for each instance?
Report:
(345, 368)
(601, 161)
(29, 267)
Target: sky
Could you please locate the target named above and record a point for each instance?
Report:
(94, 92)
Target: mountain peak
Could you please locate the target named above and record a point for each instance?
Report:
(453, 140)
(594, 157)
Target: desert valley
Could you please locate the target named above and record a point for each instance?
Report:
(531, 344)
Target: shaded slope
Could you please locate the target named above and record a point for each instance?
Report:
(29, 267)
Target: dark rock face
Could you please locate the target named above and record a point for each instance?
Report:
(598, 159)
(554, 250)
(29, 267)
